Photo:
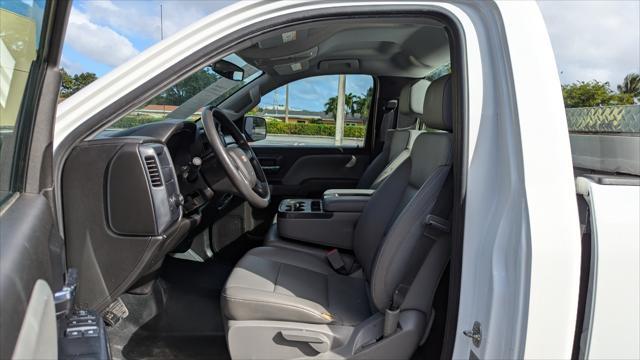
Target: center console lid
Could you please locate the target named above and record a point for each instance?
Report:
(346, 200)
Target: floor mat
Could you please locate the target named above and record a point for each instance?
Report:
(180, 318)
(176, 347)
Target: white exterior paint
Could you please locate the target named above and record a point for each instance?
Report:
(613, 311)
(548, 176)
(521, 262)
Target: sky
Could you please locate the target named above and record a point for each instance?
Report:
(597, 40)
(312, 93)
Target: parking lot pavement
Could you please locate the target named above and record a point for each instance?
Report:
(302, 140)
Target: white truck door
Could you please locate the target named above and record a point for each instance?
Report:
(521, 253)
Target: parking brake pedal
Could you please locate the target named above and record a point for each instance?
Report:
(115, 312)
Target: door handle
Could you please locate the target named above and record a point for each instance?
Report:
(352, 162)
(271, 169)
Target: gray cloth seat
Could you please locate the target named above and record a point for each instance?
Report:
(272, 283)
(289, 286)
(396, 149)
(398, 141)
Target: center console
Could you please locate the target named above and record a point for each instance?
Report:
(329, 221)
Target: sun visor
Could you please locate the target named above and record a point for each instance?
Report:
(284, 38)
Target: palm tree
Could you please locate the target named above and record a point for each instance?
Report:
(331, 106)
(350, 101)
(350, 104)
(630, 85)
(363, 103)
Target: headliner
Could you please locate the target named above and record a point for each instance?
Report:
(386, 47)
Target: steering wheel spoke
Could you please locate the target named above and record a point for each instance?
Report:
(238, 160)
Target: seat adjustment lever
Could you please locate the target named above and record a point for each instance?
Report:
(317, 341)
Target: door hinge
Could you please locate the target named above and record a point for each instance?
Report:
(475, 334)
(64, 299)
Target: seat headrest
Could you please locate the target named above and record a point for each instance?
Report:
(436, 113)
(412, 97)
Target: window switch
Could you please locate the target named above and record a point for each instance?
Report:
(80, 322)
(73, 333)
(91, 332)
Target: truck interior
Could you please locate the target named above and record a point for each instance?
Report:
(193, 240)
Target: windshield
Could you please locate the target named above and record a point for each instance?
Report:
(185, 99)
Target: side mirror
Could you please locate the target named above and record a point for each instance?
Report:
(228, 70)
(255, 128)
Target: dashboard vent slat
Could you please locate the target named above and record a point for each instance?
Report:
(153, 170)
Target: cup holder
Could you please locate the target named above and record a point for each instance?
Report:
(301, 205)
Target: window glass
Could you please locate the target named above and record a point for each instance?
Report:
(439, 72)
(20, 26)
(186, 99)
(305, 112)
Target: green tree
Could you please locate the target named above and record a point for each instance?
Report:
(592, 93)
(350, 104)
(331, 106)
(71, 84)
(350, 101)
(363, 103)
(630, 85)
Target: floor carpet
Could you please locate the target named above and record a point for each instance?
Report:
(180, 318)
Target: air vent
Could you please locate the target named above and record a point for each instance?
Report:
(154, 171)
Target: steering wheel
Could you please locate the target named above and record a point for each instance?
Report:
(238, 160)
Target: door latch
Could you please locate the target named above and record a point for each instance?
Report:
(475, 334)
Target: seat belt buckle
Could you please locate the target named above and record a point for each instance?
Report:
(392, 314)
(336, 262)
(437, 223)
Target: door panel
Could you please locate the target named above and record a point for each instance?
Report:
(307, 172)
(38, 337)
(31, 251)
(318, 134)
(26, 228)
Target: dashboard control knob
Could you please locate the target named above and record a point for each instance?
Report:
(196, 161)
(177, 200)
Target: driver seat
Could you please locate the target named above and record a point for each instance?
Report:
(288, 303)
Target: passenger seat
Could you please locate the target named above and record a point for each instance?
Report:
(398, 133)
(287, 303)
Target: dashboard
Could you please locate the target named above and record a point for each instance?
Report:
(193, 158)
(134, 195)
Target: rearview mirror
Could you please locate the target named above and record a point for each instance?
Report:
(228, 70)
(255, 128)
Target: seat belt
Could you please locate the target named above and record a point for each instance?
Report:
(387, 123)
(336, 262)
(388, 119)
(436, 226)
